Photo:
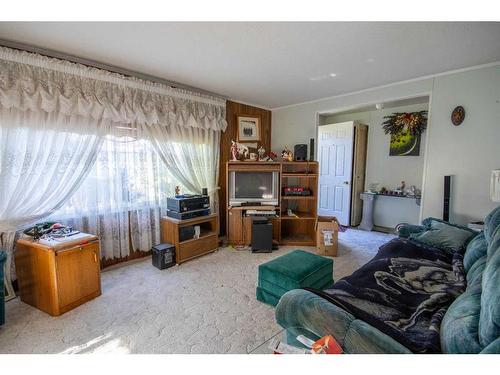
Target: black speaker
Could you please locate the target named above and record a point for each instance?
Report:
(446, 198)
(311, 149)
(163, 255)
(300, 152)
(262, 235)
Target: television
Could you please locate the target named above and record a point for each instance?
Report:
(253, 187)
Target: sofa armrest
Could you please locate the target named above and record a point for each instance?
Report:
(405, 230)
(302, 312)
(492, 348)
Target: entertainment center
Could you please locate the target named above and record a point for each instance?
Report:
(285, 192)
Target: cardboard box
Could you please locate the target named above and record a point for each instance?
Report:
(327, 236)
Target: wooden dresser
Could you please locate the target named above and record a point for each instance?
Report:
(56, 279)
(194, 247)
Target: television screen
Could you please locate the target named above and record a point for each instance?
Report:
(253, 185)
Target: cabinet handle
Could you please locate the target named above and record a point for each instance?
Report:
(95, 257)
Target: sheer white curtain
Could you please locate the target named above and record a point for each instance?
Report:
(54, 117)
(121, 200)
(192, 155)
(43, 161)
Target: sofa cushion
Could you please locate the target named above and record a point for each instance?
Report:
(475, 273)
(475, 249)
(444, 236)
(489, 323)
(428, 222)
(460, 326)
(404, 230)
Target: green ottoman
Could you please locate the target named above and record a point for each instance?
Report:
(294, 270)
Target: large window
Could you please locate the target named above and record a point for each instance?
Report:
(122, 198)
(127, 175)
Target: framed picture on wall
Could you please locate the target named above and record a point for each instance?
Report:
(249, 129)
(404, 144)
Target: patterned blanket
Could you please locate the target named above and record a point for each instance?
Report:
(404, 291)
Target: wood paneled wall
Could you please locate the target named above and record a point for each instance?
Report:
(233, 109)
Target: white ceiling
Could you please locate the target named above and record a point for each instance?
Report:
(272, 64)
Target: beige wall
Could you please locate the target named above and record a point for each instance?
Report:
(469, 152)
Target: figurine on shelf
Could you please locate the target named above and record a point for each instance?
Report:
(411, 191)
(177, 190)
(286, 154)
(262, 152)
(273, 155)
(373, 187)
(400, 189)
(234, 151)
(238, 151)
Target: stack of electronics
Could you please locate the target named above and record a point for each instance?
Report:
(296, 190)
(186, 206)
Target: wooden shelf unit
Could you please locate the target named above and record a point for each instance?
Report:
(193, 247)
(287, 230)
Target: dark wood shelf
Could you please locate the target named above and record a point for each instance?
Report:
(298, 239)
(298, 197)
(299, 175)
(301, 216)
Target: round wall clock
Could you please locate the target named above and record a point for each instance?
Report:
(458, 115)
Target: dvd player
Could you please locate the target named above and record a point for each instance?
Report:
(188, 215)
(185, 203)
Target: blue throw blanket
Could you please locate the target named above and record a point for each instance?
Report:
(404, 291)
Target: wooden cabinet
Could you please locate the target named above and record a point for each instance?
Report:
(193, 247)
(297, 229)
(58, 279)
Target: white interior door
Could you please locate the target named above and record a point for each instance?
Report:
(335, 147)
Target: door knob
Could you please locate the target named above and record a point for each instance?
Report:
(346, 182)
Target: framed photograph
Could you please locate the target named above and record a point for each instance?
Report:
(248, 128)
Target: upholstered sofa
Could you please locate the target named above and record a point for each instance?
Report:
(3, 258)
(471, 324)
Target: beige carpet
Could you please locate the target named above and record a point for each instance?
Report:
(206, 305)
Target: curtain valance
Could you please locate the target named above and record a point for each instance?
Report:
(30, 81)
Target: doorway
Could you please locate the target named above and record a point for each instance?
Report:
(342, 160)
(382, 171)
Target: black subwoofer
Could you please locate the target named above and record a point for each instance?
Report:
(163, 255)
(262, 235)
(300, 152)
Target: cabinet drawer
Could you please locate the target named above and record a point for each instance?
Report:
(194, 248)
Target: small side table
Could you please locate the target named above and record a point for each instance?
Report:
(367, 220)
(58, 278)
(207, 242)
